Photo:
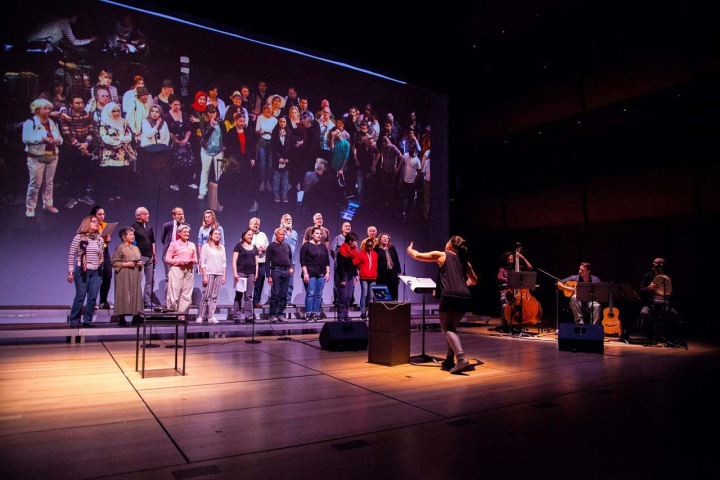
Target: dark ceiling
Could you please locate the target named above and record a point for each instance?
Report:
(490, 45)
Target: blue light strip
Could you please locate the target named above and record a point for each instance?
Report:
(290, 50)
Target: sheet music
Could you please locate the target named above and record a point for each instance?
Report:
(416, 283)
(241, 284)
(109, 229)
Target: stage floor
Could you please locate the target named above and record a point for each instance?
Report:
(286, 409)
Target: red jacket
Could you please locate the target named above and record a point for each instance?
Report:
(368, 266)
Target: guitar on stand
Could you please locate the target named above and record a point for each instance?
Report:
(611, 319)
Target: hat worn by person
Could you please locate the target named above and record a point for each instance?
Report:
(142, 91)
(168, 84)
(235, 94)
(272, 97)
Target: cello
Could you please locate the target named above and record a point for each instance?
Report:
(531, 309)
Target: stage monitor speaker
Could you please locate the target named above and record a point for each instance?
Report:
(581, 338)
(339, 336)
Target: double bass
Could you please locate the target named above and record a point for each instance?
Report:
(531, 309)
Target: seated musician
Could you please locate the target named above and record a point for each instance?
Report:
(507, 264)
(579, 307)
(651, 291)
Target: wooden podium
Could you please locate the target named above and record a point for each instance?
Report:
(389, 333)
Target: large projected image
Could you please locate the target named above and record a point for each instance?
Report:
(144, 121)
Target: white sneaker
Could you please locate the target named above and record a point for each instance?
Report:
(199, 320)
(213, 320)
(174, 188)
(30, 212)
(193, 186)
(460, 366)
(201, 197)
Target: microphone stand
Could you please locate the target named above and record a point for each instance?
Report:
(252, 341)
(152, 281)
(557, 299)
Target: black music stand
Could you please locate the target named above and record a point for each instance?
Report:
(592, 292)
(517, 281)
(423, 357)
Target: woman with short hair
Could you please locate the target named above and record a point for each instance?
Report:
(128, 268)
(85, 260)
(41, 137)
(181, 257)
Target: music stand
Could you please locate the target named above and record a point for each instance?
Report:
(592, 292)
(520, 281)
(423, 286)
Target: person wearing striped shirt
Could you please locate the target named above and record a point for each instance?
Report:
(85, 260)
(57, 29)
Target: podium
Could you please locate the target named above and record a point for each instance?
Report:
(389, 333)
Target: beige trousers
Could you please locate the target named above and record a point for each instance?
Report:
(179, 288)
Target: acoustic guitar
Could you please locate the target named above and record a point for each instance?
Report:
(568, 288)
(611, 319)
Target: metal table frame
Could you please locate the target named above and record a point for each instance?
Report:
(160, 319)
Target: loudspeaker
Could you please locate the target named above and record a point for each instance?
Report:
(581, 338)
(339, 336)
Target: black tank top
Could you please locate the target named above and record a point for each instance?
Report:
(452, 277)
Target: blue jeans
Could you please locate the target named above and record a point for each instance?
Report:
(279, 175)
(313, 294)
(86, 284)
(278, 292)
(365, 293)
(290, 288)
(265, 159)
(259, 283)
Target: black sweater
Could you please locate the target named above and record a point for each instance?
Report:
(315, 258)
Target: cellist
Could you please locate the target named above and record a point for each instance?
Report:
(507, 264)
(578, 307)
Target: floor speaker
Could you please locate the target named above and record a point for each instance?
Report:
(339, 336)
(581, 338)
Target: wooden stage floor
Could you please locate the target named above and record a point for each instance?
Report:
(285, 409)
